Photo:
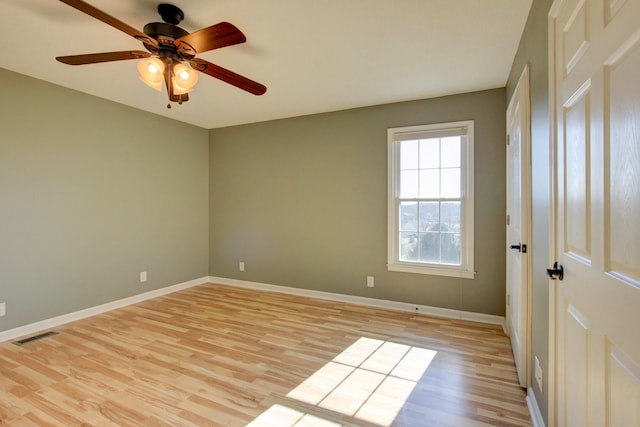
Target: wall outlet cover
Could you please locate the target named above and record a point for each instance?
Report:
(538, 373)
(3, 309)
(143, 276)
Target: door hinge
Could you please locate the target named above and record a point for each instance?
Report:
(508, 300)
(508, 219)
(508, 139)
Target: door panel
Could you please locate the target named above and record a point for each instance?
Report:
(623, 389)
(596, 54)
(575, 35)
(611, 8)
(577, 200)
(576, 350)
(622, 145)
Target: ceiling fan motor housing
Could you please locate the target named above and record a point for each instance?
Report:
(170, 14)
(157, 29)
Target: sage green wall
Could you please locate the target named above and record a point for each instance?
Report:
(92, 193)
(303, 202)
(533, 50)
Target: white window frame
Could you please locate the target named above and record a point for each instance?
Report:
(394, 137)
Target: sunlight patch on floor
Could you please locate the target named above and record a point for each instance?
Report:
(371, 380)
(315, 388)
(282, 416)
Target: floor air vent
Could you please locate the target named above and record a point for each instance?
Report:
(35, 338)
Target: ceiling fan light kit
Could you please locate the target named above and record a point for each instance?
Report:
(152, 72)
(171, 52)
(184, 79)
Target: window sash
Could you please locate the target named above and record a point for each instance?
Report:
(400, 230)
(408, 135)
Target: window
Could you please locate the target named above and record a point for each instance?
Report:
(430, 178)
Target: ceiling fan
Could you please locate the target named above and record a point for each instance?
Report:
(171, 52)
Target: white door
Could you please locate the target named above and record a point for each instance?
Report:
(518, 214)
(596, 92)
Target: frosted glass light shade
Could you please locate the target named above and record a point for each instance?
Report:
(152, 72)
(184, 79)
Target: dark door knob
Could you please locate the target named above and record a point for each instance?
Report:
(557, 272)
(520, 247)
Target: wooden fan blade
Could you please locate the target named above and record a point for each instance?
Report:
(213, 37)
(109, 20)
(94, 58)
(228, 76)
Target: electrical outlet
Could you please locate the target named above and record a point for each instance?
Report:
(143, 276)
(538, 373)
(241, 266)
(370, 283)
(3, 309)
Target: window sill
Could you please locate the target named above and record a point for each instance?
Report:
(432, 270)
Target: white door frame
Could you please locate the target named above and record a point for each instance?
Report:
(523, 86)
(553, 197)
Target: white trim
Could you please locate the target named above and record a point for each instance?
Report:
(436, 270)
(369, 302)
(99, 309)
(551, 383)
(534, 409)
(394, 137)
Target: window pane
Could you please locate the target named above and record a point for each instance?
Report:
(409, 184)
(430, 247)
(409, 154)
(429, 216)
(451, 249)
(409, 216)
(429, 153)
(430, 183)
(408, 246)
(450, 150)
(450, 182)
(450, 216)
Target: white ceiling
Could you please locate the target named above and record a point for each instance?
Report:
(313, 55)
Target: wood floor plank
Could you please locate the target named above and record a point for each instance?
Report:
(215, 355)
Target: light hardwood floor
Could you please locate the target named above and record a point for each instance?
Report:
(215, 355)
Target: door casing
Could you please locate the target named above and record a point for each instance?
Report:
(521, 95)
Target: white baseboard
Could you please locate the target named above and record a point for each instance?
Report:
(92, 311)
(534, 409)
(371, 302)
